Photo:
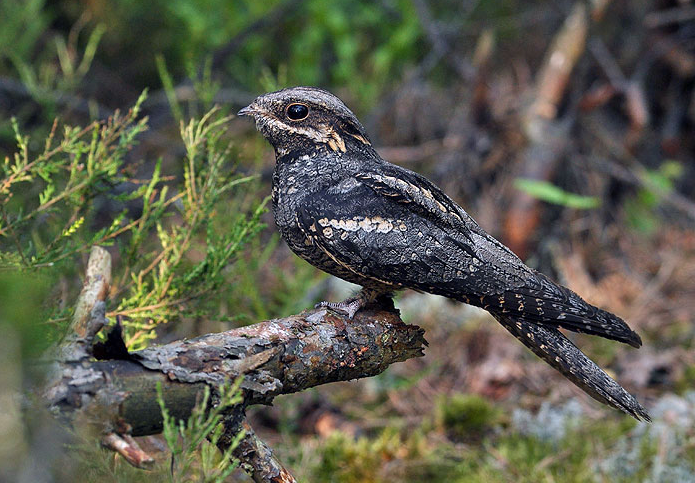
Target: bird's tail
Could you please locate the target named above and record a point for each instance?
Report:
(557, 350)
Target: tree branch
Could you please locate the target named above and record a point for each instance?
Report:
(256, 457)
(275, 357)
(118, 393)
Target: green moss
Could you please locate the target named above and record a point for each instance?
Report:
(391, 456)
(467, 416)
(346, 459)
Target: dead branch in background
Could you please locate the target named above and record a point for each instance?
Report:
(545, 134)
(117, 394)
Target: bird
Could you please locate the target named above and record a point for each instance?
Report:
(344, 209)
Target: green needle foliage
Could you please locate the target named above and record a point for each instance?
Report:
(193, 443)
(45, 197)
(174, 247)
(166, 285)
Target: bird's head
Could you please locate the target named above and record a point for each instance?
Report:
(304, 119)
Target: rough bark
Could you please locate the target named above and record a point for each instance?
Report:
(275, 357)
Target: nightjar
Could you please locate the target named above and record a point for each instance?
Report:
(347, 211)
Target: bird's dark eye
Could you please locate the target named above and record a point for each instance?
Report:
(297, 112)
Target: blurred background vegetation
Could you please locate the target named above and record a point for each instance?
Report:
(565, 128)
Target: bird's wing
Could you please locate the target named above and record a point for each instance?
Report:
(423, 197)
(381, 238)
(489, 275)
(557, 350)
(368, 235)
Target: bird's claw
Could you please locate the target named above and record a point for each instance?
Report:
(348, 307)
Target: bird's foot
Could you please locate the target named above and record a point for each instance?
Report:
(364, 298)
(348, 307)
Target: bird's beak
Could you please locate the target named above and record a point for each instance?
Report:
(249, 110)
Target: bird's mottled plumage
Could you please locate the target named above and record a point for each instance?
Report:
(344, 209)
